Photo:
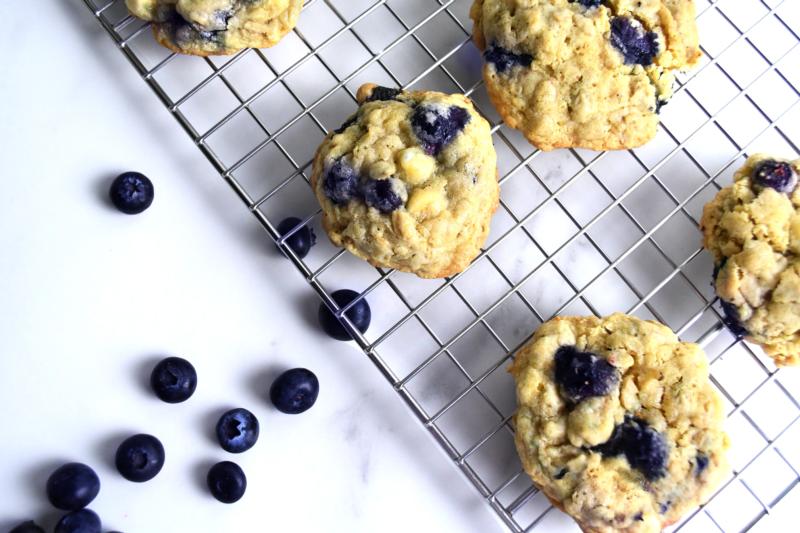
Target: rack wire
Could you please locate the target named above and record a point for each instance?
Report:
(577, 231)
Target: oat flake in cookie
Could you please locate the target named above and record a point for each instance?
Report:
(584, 73)
(217, 27)
(752, 228)
(409, 181)
(618, 423)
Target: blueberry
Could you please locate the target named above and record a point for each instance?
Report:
(72, 486)
(173, 379)
(639, 517)
(583, 374)
(664, 507)
(588, 3)
(227, 482)
(504, 60)
(360, 315)
(645, 448)
(301, 240)
(700, 463)
(777, 175)
(349, 122)
(731, 318)
(638, 47)
(380, 195)
(132, 192)
(295, 391)
(341, 183)
(384, 93)
(237, 430)
(436, 127)
(27, 527)
(220, 19)
(83, 521)
(561, 473)
(140, 458)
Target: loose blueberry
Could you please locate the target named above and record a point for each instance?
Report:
(301, 240)
(583, 374)
(227, 482)
(341, 183)
(360, 315)
(27, 527)
(295, 391)
(83, 521)
(700, 463)
(140, 458)
(72, 486)
(637, 46)
(384, 93)
(349, 122)
(645, 448)
(173, 380)
(237, 430)
(380, 195)
(436, 127)
(504, 60)
(777, 175)
(132, 193)
(588, 3)
(732, 319)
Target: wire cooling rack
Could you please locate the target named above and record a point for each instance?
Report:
(577, 232)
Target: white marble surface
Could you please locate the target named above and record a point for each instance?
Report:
(90, 298)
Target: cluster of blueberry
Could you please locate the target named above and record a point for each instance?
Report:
(139, 458)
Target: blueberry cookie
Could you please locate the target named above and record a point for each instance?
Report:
(618, 423)
(584, 73)
(753, 230)
(217, 27)
(409, 182)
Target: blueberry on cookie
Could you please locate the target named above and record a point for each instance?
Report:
(217, 27)
(409, 181)
(752, 228)
(584, 73)
(617, 422)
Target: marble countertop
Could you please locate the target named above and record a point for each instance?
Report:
(90, 298)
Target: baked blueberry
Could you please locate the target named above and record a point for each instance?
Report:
(359, 314)
(341, 183)
(132, 193)
(380, 194)
(295, 391)
(588, 3)
(645, 448)
(777, 175)
(637, 46)
(730, 317)
(83, 521)
(583, 375)
(301, 240)
(237, 430)
(72, 486)
(700, 463)
(349, 122)
(383, 93)
(437, 126)
(140, 458)
(227, 482)
(504, 60)
(173, 380)
(27, 527)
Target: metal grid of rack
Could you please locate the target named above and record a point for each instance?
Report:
(577, 231)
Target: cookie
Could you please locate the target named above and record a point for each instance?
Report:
(752, 228)
(409, 182)
(584, 73)
(217, 27)
(617, 422)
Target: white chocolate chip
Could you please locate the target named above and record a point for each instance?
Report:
(417, 165)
